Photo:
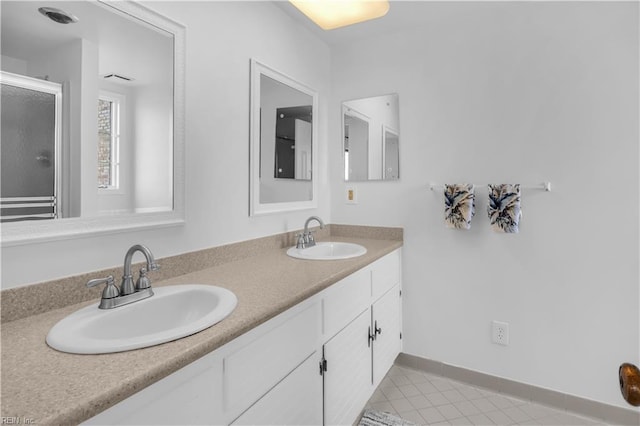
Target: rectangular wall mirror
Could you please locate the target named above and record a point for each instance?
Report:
(283, 142)
(371, 138)
(92, 121)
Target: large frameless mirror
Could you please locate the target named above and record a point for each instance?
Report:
(283, 142)
(92, 118)
(371, 138)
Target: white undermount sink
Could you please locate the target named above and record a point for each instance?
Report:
(328, 251)
(171, 313)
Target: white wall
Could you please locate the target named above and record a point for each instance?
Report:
(89, 129)
(511, 92)
(153, 152)
(13, 65)
(221, 39)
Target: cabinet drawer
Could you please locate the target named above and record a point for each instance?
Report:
(256, 367)
(344, 301)
(385, 274)
(191, 395)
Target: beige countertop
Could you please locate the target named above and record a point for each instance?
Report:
(44, 386)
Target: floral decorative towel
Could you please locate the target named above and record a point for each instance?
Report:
(459, 205)
(504, 207)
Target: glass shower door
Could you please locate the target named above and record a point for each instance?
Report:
(29, 143)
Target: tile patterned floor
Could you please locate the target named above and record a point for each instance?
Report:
(427, 399)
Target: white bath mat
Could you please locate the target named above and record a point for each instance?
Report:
(380, 418)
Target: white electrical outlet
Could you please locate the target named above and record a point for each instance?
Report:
(500, 333)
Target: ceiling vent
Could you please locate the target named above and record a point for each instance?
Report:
(117, 78)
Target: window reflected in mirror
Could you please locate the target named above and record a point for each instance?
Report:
(371, 141)
(109, 106)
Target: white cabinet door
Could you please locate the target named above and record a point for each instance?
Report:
(296, 400)
(347, 381)
(251, 370)
(385, 314)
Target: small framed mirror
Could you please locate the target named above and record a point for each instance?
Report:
(283, 142)
(371, 138)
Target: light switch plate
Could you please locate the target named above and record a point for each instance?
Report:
(351, 195)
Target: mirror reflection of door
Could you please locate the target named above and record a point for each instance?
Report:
(303, 150)
(292, 158)
(30, 134)
(391, 158)
(356, 145)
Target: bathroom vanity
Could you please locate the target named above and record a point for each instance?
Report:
(308, 343)
(342, 340)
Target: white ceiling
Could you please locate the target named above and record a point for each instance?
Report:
(125, 43)
(31, 32)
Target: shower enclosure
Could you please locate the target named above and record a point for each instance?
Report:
(30, 148)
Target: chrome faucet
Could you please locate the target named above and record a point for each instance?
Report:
(112, 297)
(306, 239)
(143, 283)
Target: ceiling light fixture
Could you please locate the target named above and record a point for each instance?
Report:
(331, 14)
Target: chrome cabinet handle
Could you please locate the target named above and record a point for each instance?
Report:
(377, 330)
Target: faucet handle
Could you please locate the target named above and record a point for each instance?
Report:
(301, 243)
(110, 291)
(143, 282)
(311, 239)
